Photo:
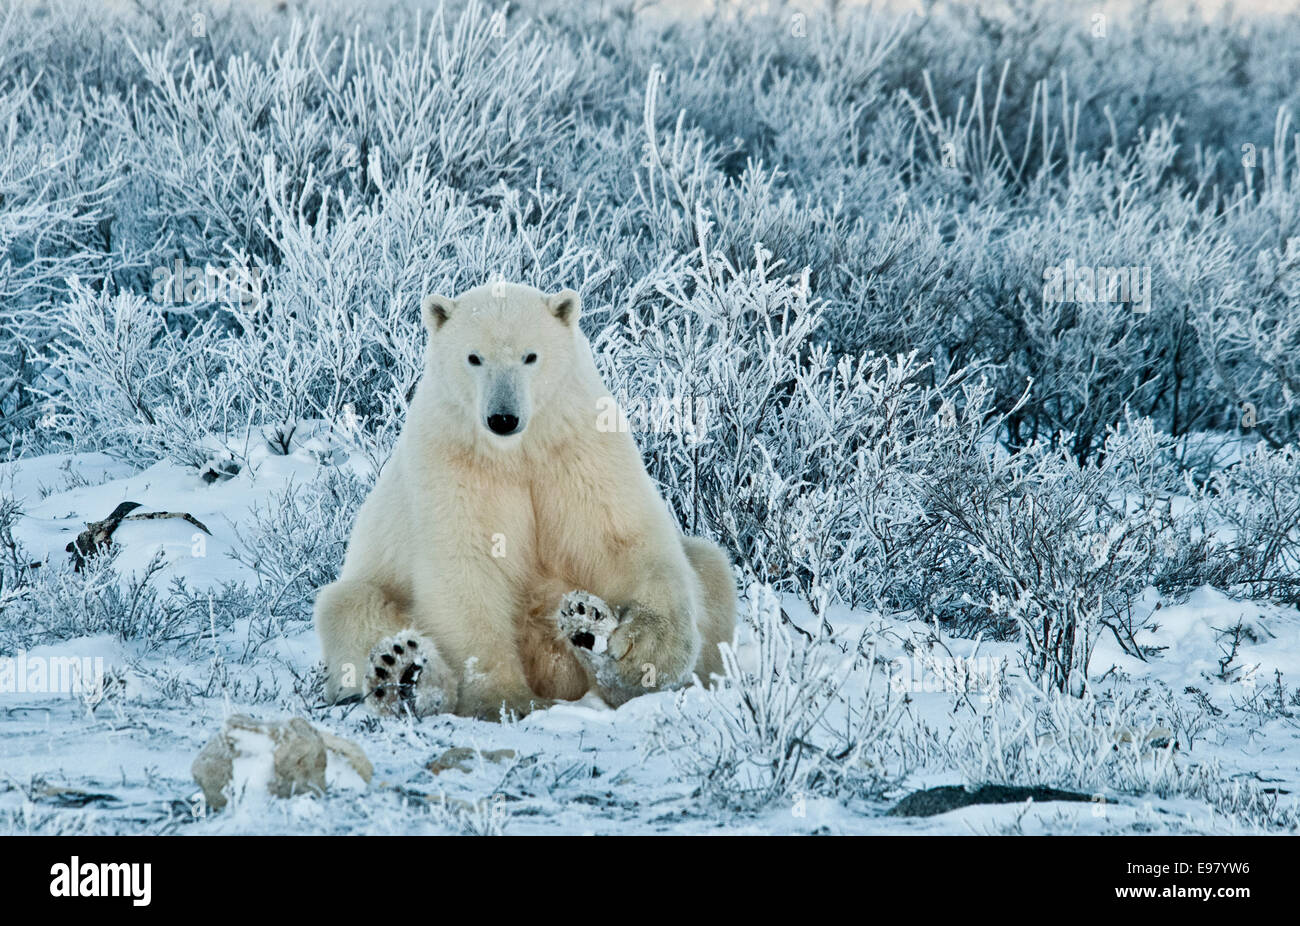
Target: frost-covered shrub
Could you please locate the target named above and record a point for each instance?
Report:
(1250, 333)
(1257, 503)
(1237, 529)
(14, 561)
(1090, 743)
(807, 466)
(120, 379)
(1109, 745)
(478, 100)
(790, 727)
(1126, 69)
(474, 100)
(329, 330)
(1086, 300)
(57, 602)
(295, 544)
(1060, 550)
(57, 178)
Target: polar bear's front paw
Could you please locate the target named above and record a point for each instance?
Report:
(615, 648)
(400, 677)
(586, 622)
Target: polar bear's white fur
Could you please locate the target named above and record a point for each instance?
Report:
(504, 495)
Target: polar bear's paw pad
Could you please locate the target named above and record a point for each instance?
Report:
(396, 666)
(586, 621)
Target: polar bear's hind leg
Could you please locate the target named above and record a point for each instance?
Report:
(717, 614)
(357, 621)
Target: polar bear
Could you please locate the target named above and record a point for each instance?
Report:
(514, 552)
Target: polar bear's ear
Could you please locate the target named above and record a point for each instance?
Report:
(566, 305)
(435, 310)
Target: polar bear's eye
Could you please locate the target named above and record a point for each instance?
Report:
(474, 360)
(531, 358)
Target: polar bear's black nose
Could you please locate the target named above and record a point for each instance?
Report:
(503, 424)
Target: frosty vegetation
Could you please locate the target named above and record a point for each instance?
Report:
(978, 318)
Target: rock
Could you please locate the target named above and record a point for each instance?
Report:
(350, 753)
(933, 801)
(463, 759)
(282, 758)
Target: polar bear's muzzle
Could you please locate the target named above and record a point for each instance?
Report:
(505, 414)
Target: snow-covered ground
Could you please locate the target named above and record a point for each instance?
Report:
(119, 761)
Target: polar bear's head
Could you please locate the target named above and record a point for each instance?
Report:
(502, 350)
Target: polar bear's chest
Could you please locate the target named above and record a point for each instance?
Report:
(573, 539)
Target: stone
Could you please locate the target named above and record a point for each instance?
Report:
(464, 759)
(944, 798)
(282, 758)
